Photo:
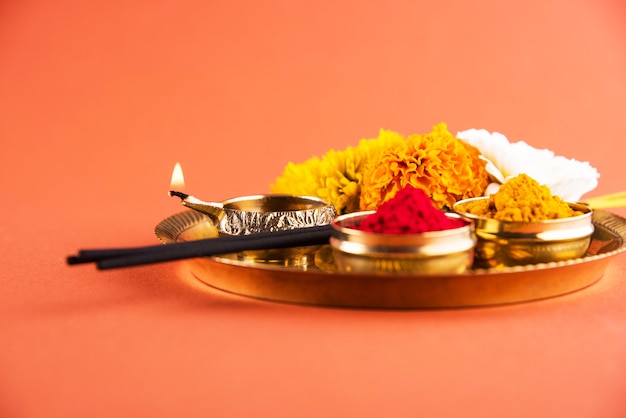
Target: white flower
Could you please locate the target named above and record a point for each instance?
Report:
(566, 178)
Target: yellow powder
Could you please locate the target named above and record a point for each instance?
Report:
(521, 199)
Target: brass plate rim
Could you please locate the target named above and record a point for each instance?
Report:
(480, 287)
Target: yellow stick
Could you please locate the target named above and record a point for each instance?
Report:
(613, 200)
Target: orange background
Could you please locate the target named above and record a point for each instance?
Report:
(99, 100)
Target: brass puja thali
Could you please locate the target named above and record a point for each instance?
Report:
(309, 275)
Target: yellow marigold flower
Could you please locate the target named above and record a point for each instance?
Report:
(335, 177)
(446, 168)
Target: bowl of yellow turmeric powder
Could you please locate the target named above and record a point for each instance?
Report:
(523, 223)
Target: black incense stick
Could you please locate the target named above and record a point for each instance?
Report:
(126, 257)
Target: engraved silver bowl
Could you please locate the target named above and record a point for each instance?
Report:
(264, 213)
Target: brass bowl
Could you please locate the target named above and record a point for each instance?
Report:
(435, 252)
(263, 213)
(275, 212)
(508, 243)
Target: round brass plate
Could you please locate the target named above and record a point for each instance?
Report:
(308, 275)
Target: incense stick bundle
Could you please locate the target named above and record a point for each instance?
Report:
(126, 257)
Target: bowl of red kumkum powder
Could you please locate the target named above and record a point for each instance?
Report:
(523, 223)
(407, 235)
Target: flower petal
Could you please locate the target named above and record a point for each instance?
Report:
(566, 178)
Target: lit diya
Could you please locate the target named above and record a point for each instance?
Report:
(262, 213)
(258, 213)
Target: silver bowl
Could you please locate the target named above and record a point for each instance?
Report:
(263, 213)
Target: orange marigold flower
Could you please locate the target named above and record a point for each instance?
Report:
(446, 168)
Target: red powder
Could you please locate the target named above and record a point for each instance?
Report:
(410, 211)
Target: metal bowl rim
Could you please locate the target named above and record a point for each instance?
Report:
(337, 226)
(588, 213)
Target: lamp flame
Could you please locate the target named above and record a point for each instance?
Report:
(178, 179)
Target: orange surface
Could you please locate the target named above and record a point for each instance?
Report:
(98, 100)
